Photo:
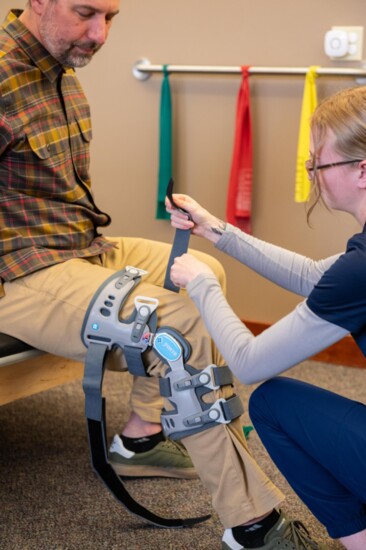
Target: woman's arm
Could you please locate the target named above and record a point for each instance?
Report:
(287, 269)
(293, 339)
(292, 271)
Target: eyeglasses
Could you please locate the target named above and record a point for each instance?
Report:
(312, 168)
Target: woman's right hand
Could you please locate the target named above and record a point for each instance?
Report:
(201, 222)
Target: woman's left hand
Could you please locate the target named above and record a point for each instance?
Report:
(185, 268)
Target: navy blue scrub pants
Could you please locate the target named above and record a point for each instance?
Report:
(317, 439)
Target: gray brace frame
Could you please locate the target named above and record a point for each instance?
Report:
(183, 385)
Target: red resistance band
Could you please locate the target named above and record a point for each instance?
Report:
(239, 199)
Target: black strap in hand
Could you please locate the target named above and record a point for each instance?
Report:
(180, 243)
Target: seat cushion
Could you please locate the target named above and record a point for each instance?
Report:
(11, 346)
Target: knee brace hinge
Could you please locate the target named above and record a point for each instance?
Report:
(185, 387)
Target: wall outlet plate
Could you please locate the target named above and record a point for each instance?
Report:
(345, 43)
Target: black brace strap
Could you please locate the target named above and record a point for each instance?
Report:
(96, 423)
(180, 243)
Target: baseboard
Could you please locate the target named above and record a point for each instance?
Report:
(345, 352)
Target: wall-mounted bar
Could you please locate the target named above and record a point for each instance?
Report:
(143, 69)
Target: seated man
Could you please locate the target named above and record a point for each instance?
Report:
(53, 260)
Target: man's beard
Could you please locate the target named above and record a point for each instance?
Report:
(70, 55)
(73, 58)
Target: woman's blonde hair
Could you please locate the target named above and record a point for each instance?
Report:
(344, 113)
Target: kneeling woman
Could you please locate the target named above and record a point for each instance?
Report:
(316, 438)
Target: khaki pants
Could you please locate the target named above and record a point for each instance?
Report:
(47, 309)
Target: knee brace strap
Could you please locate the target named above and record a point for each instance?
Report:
(185, 387)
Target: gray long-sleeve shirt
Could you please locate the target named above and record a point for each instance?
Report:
(294, 338)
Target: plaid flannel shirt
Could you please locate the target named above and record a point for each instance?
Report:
(47, 211)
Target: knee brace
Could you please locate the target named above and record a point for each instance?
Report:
(102, 331)
(182, 385)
